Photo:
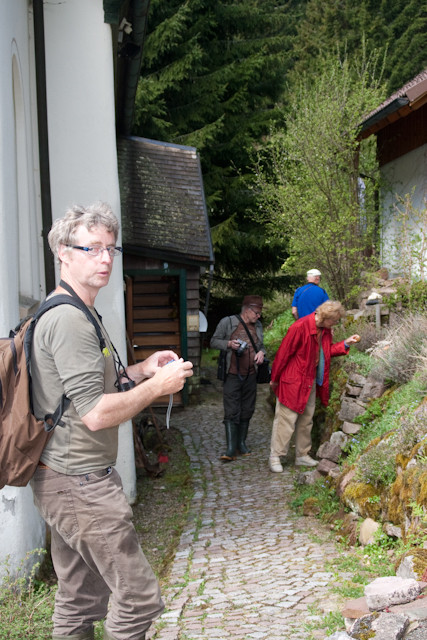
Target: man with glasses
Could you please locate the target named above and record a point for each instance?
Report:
(239, 392)
(101, 570)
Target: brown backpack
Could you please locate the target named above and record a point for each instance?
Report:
(22, 436)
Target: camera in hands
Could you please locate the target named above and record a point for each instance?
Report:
(242, 347)
(125, 386)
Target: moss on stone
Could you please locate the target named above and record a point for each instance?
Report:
(416, 448)
(358, 494)
(311, 506)
(394, 504)
(410, 486)
(419, 561)
(422, 489)
(402, 460)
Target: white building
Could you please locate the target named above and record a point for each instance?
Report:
(59, 114)
(400, 125)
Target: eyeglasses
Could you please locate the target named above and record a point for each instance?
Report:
(97, 251)
(258, 313)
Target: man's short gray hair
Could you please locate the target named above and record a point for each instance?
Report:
(64, 229)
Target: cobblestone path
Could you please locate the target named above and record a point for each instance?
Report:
(246, 566)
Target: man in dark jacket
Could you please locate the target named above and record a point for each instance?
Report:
(242, 361)
(300, 367)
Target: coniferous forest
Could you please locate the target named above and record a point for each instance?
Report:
(226, 76)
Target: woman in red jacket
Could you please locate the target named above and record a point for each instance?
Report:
(301, 367)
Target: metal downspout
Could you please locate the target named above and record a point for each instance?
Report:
(139, 23)
(45, 193)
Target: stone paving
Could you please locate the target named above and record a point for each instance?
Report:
(246, 566)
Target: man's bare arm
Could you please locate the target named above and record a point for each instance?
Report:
(115, 408)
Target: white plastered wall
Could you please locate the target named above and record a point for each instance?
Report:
(83, 167)
(21, 528)
(405, 175)
(82, 148)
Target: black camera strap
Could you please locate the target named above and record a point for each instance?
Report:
(248, 332)
(252, 341)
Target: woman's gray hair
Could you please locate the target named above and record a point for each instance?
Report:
(64, 229)
(330, 310)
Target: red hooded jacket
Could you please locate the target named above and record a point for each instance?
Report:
(294, 367)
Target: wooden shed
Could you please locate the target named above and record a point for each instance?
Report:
(167, 244)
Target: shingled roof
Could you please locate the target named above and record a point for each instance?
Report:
(162, 200)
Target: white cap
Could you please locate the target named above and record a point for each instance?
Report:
(314, 272)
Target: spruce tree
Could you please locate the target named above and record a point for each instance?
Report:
(212, 75)
(395, 28)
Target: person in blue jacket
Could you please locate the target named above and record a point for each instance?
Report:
(309, 297)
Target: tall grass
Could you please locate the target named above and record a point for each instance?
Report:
(26, 604)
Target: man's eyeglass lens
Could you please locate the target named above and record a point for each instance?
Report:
(96, 251)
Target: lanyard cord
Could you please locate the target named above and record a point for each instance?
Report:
(168, 412)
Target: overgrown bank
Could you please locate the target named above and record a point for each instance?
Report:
(372, 485)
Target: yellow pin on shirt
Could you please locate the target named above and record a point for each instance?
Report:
(106, 352)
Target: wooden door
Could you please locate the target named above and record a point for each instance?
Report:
(153, 318)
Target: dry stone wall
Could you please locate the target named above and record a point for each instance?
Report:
(394, 607)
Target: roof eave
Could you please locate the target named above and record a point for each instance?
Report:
(166, 255)
(390, 113)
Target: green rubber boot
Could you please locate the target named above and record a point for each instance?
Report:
(231, 439)
(242, 435)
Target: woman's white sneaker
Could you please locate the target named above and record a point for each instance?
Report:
(275, 465)
(305, 461)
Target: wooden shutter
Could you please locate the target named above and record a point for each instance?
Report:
(152, 318)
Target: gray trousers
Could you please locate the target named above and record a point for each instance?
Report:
(99, 563)
(239, 398)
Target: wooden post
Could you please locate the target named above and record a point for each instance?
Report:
(378, 316)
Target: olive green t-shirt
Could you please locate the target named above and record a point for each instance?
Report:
(66, 358)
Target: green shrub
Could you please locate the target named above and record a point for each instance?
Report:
(358, 362)
(274, 307)
(275, 333)
(377, 466)
(209, 357)
(412, 431)
(384, 415)
(324, 493)
(409, 296)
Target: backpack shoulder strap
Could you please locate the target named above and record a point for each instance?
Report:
(51, 303)
(52, 420)
(118, 365)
